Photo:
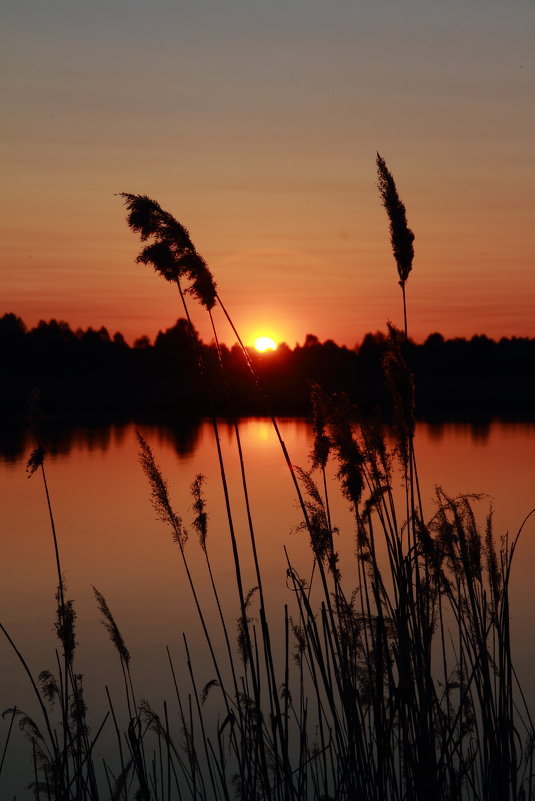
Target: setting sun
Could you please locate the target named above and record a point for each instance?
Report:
(265, 343)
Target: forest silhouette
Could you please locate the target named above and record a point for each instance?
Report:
(89, 371)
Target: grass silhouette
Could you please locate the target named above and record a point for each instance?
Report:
(401, 684)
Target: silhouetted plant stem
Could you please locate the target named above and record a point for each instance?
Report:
(62, 617)
(287, 460)
(35, 772)
(273, 694)
(405, 325)
(201, 721)
(190, 777)
(241, 595)
(223, 621)
(8, 736)
(270, 413)
(119, 739)
(55, 539)
(52, 754)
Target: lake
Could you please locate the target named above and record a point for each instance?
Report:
(109, 537)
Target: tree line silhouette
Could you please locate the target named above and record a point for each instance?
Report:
(89, 371)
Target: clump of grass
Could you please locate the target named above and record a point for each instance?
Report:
(402, 684)
(392, 731)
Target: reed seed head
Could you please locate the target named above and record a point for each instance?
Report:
(243, 622)
(171, 253)
(338, 414)
(401, 235)
(49, 686)
(200, 523)
(65, 623)
(321, 534)
(35, 461)
(112, 628)
(495, 577)
(160, 492)
(322, 444)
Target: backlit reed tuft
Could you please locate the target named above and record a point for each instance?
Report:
(337, 414)
(242, 625)
(171, 253)
(200, 522)
(159, 492)
(401, 235)
(35, 461)
(65, 623)
(322, 444)
(319, 527)
(112, 628)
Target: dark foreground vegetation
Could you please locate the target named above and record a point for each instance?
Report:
(391, 679)
(89, 371)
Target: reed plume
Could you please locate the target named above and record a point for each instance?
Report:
(171, 252)
(401, 235)
(159, 492)
(111, 627)
(200, 522)
(322, 444)
(35, 461)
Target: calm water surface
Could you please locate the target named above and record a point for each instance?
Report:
(109, 538)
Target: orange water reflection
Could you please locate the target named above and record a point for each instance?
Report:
(109, 537)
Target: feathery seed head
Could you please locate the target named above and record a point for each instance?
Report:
(144, 214)
(172, 253)
(49, 686)
(202, 281)
(200, 523)
(322, 444)
(65, 624)
(495, 578)
(206, 689)
(162, 258)
(318, 527)
(112, 628)
(35, 461)
(401, 235)
(338, 416)
(160, 492)
(243, 622)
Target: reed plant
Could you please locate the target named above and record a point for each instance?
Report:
(391, 679)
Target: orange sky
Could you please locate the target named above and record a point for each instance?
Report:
(256, 125)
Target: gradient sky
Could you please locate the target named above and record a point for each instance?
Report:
(256, 124)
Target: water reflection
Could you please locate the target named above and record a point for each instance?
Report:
(62, 435)
(109, 536)
(478, 431)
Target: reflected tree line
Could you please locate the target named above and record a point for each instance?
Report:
(90, 372)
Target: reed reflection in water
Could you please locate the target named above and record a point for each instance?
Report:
(109, 537)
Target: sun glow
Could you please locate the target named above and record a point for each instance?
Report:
(265, 343)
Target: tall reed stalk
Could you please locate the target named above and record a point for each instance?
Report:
(401, 685)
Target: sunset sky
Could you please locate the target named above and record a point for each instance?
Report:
(256, 124)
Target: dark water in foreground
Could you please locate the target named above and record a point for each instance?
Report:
(109, 537)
